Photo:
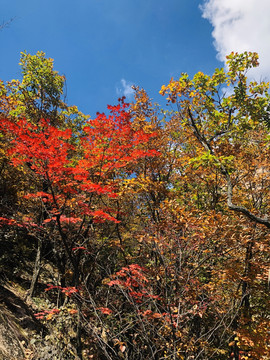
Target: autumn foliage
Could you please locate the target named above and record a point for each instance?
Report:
(149, 228)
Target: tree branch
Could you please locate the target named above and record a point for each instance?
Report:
(224, 171)
(242, 209)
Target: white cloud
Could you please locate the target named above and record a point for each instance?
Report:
(241, 25)
(125, 89)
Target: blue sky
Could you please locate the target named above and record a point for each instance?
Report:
(104, 46)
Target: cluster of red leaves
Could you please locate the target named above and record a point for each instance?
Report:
(132, 279)
(108, 143)
(45, 313)
(12, 222)
(154, 315)
(79, 248)
(43, 146)
(64, 219)
(69, 291)
(105, 310)
(49, 314)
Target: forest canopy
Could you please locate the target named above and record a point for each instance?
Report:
(142, 233)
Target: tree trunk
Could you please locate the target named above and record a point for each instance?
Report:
(36, 271)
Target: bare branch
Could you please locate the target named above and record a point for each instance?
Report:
(6, 23)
